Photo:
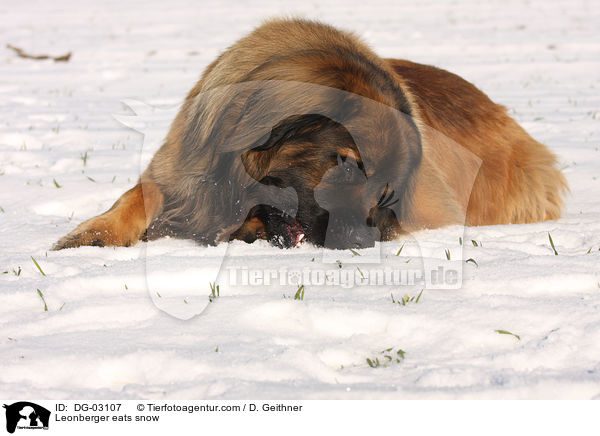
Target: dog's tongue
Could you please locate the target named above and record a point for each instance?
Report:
(295, 233)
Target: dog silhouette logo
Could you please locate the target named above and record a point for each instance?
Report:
(26, 415)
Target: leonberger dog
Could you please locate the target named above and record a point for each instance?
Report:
(300, 132)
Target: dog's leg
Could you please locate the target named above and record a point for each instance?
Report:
(123, 224)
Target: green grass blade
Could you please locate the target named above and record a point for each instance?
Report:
(506, 332)
(400, 250)
(473, 261)
(419, 297)
(552, 244)
(42, 297)
(361, 273)
(38, 266)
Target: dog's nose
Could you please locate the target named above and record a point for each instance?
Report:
(344, 235)
(361, 237)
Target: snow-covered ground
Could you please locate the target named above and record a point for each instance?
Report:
(65, 158)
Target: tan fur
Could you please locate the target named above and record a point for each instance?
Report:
(123, 224)
(518, 181)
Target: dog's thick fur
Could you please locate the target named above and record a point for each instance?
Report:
(192, 188)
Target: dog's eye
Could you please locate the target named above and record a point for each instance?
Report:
(348, 170)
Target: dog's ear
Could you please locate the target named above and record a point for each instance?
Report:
(257, 160)
(290, 128)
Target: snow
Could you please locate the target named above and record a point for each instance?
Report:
(107, 332)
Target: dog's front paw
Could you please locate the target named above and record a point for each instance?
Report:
(99, 232)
